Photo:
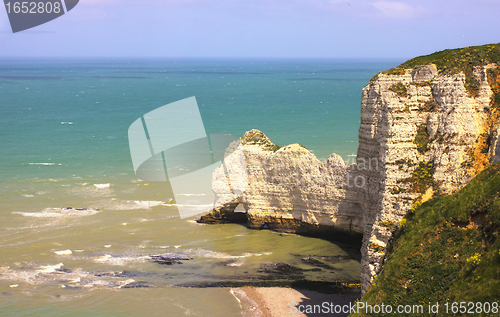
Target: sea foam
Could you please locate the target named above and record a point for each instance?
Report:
(136, 204)
(59, 212)
(101, 186)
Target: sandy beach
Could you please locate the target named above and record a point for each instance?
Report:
(280, 302)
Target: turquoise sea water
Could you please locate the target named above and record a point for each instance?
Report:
(63, 132)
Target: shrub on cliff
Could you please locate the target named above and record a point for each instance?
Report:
(422, 139)
(447, 251)
(399, 89)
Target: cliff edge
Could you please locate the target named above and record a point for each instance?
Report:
(432, 123)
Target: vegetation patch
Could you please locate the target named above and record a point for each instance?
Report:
(469, 163)
(372, 80)
(387, 224)
(395, 71)
(399, 89)
(403, 162)
(472, 85)
(447, 251)
(494, 82)
(460, 60)
(422, 84)
(396, 190)
(429, 106)
(415, 205)
(422, 139)
(256, 137)
(421, 178)
(377, 248)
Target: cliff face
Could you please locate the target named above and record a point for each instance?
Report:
(290, 190)
(430, 136)
(426, 130)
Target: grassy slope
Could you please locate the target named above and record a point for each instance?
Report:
(447, 250)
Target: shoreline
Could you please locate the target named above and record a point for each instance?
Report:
(281, 301)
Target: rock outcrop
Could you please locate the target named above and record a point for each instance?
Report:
(430, 136)
(290, 190)
(425, 131)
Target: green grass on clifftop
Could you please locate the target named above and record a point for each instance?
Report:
(456, 60)
(446, 251)
(459, 59)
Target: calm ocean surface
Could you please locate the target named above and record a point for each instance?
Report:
(63, 132)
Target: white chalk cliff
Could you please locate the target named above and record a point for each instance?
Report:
(290, 190)
(430, 137)
(422, 133)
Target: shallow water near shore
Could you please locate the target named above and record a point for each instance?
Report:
(79, 229)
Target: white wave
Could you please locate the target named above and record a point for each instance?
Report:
(250, 307)
(220, 255)
(49, 268)
(135, 204)
(67, 123)
(236, 264)
(46, 164)
(63, 252)
(29, 196)
(35, 274)
(101, 186)
(119, 260)
(30, 277)
(45, 275)
(60, 212)
(185, 205)
(126, 282)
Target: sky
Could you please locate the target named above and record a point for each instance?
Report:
(257, 29)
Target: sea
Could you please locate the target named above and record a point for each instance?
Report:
(79, 231)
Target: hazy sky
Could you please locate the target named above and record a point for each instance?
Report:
(258, 28)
